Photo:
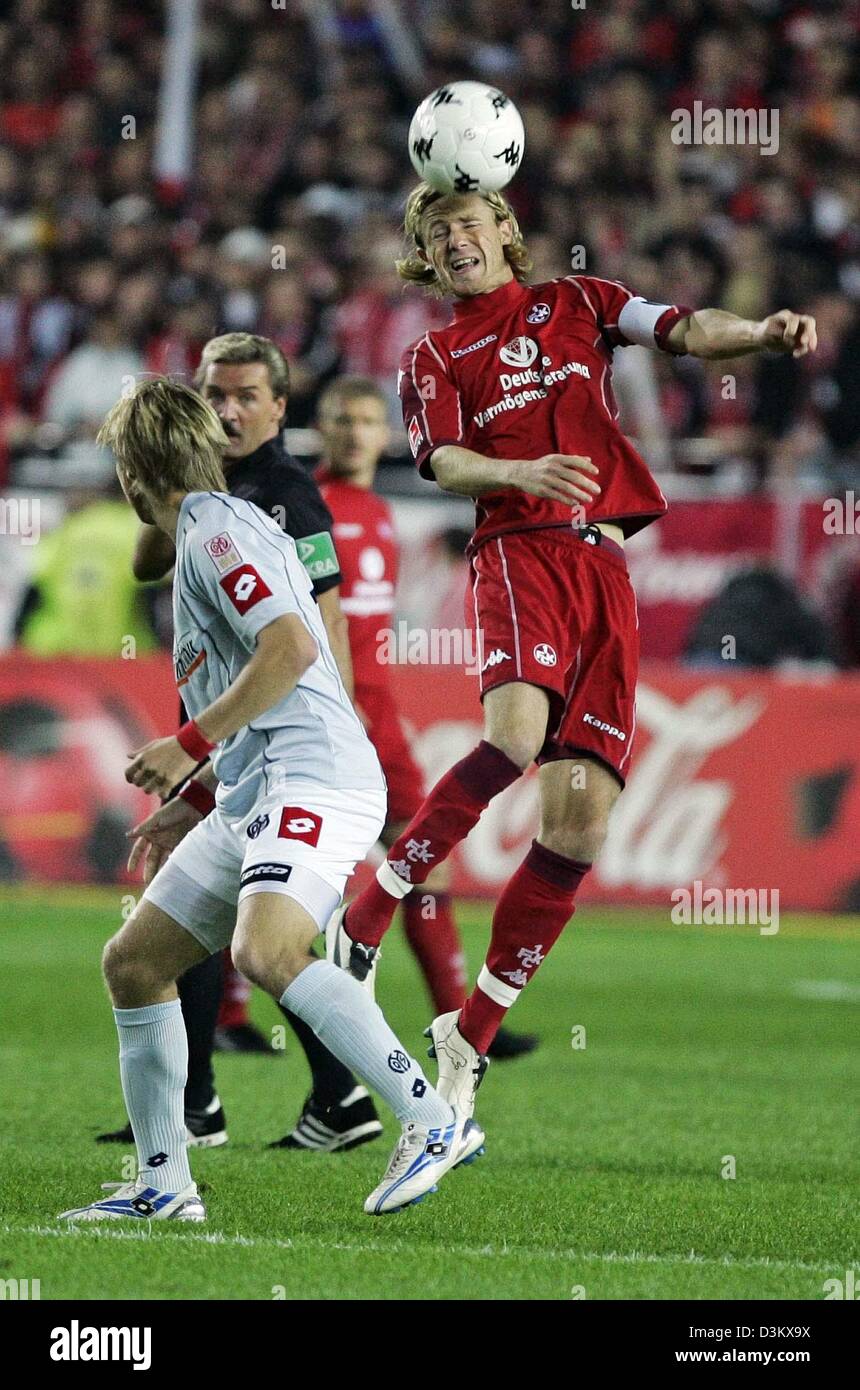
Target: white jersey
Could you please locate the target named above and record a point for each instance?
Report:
(236, 572)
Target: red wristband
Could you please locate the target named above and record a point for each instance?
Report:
(198, 796)
(193, 742)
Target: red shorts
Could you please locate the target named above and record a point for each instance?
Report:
(556, 611)
(403, 775)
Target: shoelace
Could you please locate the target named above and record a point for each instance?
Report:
(402, 1156)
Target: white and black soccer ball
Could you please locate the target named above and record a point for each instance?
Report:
(466, 138)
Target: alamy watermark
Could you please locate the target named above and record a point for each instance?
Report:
(734, 126)
(717, 907)
(434, 646)
(21, 516)
(842, 515)
(19, 1290)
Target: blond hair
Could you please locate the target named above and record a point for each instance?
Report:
(166, 439)
(238, 349)
(417, 271)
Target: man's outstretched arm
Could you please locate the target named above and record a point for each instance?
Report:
(714, 334)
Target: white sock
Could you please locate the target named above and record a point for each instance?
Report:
(153, 1065)
(345, 1018)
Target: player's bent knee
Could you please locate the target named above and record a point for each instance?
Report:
(582, 841)
(270, 969)
(520, 746)
(128, 975)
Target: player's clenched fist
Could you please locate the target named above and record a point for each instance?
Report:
(568, 478)
(788, 332)
(159, 765)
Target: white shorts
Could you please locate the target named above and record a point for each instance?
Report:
(303, 841)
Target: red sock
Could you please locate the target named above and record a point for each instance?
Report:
(529, 918)
(234, 1001)
(432, 933)
(444, 818)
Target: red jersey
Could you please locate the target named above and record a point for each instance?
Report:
(525, 371)
(367, 554)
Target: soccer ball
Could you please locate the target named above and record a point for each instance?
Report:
(466, 138)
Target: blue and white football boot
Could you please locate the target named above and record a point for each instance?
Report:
(422, 1155)
(142, 1203)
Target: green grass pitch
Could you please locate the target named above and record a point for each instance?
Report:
(603, 1172)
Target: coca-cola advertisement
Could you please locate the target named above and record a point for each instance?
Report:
(743, 781)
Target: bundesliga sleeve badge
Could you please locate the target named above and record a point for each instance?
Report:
(223, 553)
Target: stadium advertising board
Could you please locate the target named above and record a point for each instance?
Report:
(711, 748)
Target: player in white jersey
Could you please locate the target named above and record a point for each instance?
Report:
(300, 800)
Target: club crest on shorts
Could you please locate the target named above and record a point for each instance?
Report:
(257, 826)
(299, 824)
(545, 654)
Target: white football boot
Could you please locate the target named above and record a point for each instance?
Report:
(461, 1066)
(359, 961)
(422, 1155)
(136, 1200)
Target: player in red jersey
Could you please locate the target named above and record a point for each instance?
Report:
(511, 404)
(353, 420)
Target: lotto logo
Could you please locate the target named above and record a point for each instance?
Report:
(245, 587)
(265, 873)
(299, 824)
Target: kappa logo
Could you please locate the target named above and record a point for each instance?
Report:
(416, 438)
(538, 313)
(495, 658)
(473, 347)
(222, 551)
(606, 728)
(520, 352)
(545, 654)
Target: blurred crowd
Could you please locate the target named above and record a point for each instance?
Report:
(300, 145)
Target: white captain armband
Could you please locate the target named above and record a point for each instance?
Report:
(639, 318)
